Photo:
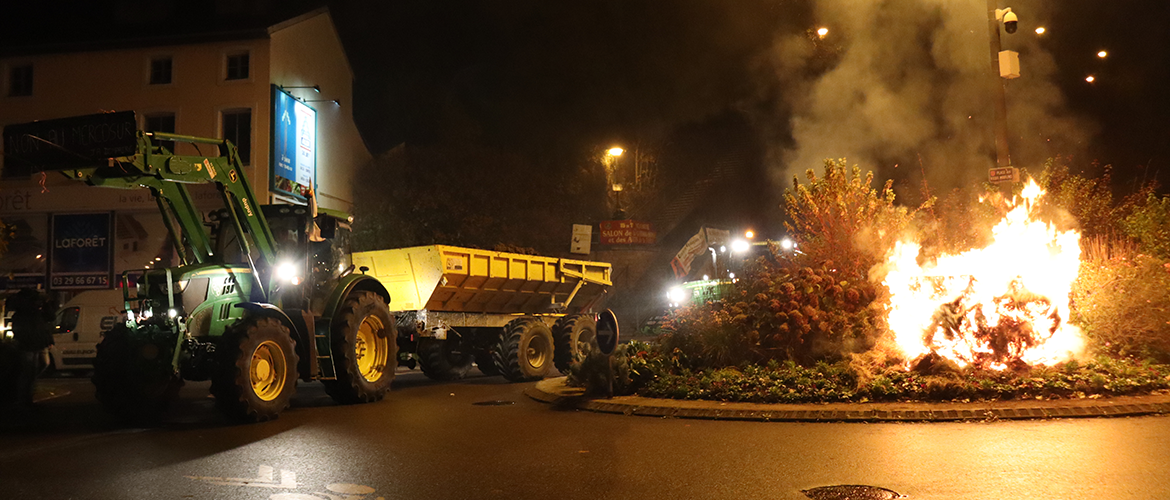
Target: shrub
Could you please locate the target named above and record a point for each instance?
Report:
(1122, 300)
(1149, 225)
(840, 217)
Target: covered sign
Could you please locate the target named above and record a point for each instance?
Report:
(66, 143)
(294, 144)
(627, 232)
(82, 252)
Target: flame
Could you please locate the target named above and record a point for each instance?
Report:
(991, 307)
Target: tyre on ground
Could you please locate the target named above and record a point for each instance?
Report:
(365, 349)
(571, 336)
(257, 369)
(485, 361)
(525, 351)
(132, 373)
(440, 360)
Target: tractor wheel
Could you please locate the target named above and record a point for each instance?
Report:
(440, 362)
(572, 335)
(257, 373)
(132, 373)
(525, 351)
(365, 350)
(485, 362)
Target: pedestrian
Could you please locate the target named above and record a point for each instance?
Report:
(32, 334)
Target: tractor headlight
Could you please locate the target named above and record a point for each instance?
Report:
(287, 272)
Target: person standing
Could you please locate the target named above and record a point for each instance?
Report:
(32, 334)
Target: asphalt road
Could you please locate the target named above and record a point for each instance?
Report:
(432, 440)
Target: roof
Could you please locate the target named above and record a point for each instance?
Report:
(117, 24)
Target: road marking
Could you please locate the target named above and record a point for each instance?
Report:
(265, 478)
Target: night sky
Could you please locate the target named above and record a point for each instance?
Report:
(535, 75)
(893, 83)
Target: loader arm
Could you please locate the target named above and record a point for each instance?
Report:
(106, 150)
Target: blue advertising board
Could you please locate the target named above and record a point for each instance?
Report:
(82, 251)
(294, 144)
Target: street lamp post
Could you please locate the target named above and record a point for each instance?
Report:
(1003, 157)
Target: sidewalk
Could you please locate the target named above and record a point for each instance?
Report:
(554, 391)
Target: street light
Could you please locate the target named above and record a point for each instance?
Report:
(615, 151)
(822, 32)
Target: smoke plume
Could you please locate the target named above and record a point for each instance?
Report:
(903, 87)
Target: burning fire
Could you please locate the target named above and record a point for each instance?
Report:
(992, 307)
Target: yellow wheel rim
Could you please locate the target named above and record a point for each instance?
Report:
(268, 370)
(370, 349)
(538, 350)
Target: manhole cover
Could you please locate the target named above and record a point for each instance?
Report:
(851, 492)
(498, 402)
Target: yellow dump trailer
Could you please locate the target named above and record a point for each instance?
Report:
(513, 314)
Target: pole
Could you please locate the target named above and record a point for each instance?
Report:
(1003, 157)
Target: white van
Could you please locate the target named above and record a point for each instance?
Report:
(80, 325)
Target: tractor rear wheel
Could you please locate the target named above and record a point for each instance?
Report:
(257, 373)
(572, 335)
(525, 351)
(132, 373)
(365, 350)
(440, 362)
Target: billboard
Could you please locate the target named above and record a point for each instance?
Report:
(294, 144)
(82, 251)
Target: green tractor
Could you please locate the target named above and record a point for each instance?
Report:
(263, 296)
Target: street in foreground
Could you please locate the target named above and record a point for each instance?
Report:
(482, 438)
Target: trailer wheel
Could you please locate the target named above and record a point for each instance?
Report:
(440, 362)
(365, 350)
(485, 361)
(525, 351)
(132, 373)
(572, 335)
(257, 373)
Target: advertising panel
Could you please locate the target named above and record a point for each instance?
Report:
(627, 232)
(82, 251)
(294, 144)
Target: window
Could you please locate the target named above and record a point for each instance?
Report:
(237, 127)
(160, 71)
(162, 122)
(237, 66)
(20, 80)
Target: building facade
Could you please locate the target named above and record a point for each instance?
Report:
(207, 83)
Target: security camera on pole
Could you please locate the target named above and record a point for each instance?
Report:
(1007, 64)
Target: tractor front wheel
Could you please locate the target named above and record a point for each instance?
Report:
(132, 374)
(365, 350)
(257, 373)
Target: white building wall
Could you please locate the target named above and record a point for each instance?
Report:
(310, 53)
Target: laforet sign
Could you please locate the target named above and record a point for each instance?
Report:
(82, 253)
(79, 141)
(627, 232)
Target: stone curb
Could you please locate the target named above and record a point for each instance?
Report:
(554, 391)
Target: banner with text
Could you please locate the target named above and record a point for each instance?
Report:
(82, 252)
(627, 232)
